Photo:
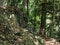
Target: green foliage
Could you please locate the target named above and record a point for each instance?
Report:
(19, 15)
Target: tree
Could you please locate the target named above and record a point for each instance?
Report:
(43, 18)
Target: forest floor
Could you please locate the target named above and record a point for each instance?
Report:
(25, 38)
(44, 41)
(50, 41)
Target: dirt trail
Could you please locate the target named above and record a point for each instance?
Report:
(50, 42)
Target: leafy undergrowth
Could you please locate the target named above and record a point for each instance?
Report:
(8, 37)
(24, 38)
(12, 34)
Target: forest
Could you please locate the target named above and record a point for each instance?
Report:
(29, 22)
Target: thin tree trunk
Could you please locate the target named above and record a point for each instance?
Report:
(27, 17)
(21, 14)
(53, 19)
(43, 18)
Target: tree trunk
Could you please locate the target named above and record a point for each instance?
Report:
(43, 18)
(53, 19)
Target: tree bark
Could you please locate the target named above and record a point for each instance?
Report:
(43, 18)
